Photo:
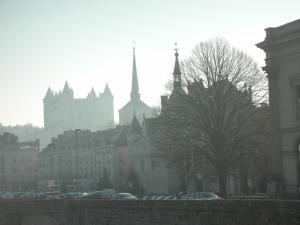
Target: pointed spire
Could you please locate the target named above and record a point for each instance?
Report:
(177, 73)
(49, 93)
(135, 127)
(107, 91)
(92, 94)
(134, 95)
(67, 91)
(66, 87)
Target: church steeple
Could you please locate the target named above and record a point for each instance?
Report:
(134, 95)
(177, 84)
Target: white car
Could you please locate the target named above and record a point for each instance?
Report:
(124, 196)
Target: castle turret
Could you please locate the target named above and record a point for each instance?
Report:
(67, 91)
(107, 91)
(92, 94)
(108, 101)
(49, 97)
(49, 94)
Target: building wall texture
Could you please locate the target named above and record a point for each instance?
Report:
(282, 47)
(18, 164)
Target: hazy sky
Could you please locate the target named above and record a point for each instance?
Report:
(89, 43)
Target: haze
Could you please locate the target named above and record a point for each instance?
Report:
(89, 43)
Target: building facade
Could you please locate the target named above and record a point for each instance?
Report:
(18, 164)
(82, 160)
(64, 112)
(135, 105)
(153, 176)
(282, 48)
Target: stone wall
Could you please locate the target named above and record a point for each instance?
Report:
(94, 212)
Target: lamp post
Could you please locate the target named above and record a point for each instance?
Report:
(77, 131)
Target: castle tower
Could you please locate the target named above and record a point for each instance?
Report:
(108, 110)
(46, 105)
(135, 104)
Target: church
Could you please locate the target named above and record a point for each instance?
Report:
(135, 106)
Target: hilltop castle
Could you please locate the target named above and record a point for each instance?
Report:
(64, 112)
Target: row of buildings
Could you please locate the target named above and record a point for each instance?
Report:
(123, 157)
(86, 151)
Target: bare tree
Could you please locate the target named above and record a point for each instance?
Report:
(214, 118)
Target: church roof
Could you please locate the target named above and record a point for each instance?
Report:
(135, 127)
(133, 104)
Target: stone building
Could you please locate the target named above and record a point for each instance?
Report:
(282, 48)
(64, 112)
(135, 105)
(153, 176)
(18, 164)
(82, 160)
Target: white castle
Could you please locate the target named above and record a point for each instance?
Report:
(64, 112)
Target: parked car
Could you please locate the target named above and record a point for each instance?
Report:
(201, 196)
(108, 193)
(94, 195)
(124, 196)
